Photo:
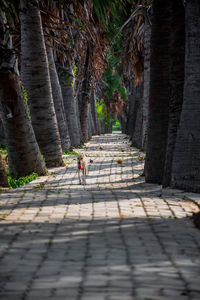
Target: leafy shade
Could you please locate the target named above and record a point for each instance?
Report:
(101, 110)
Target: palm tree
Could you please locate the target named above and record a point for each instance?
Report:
(136, 132)
(186, 160)
(36, 80)
(177, 50)
(58, 102)
(69, 100)
(85, 97)
(94, 112)
(147, 36)
(159, 93)
(24, 156)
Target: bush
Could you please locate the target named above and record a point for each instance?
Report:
(15, 183)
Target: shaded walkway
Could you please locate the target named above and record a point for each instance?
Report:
(117, 238)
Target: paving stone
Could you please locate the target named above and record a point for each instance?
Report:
(117, 238)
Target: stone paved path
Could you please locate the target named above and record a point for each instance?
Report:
(117, 238)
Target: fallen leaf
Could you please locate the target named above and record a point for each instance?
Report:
(119, 161)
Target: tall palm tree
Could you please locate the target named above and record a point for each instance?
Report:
(147, 36)
(85, 97)
(24, 156)
(58, 102)
(177, 50)
(159, 93)
(186, 160)
(94, 112)
(69, 100)
(36, 80)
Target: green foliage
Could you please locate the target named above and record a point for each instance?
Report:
(10, 9)
(80, 23)
(3, 149)
(15, 183)
(75, 70)
(107, 122)
(123, 93)
(69, 152)
(116, 126)
(68, 77)
(101, 9)
(101, 110)
(24, 91)
(111, 75)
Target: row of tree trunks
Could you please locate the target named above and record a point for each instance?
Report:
(50, 121)
(177, 46)
(58, 102)
(36, 80)
(24, 156)
(186, 160)
(70, 105)
(173, 157)
(159, 93)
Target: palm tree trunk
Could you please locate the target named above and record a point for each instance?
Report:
(136, 135)
(131, 106)
(94, 112)
(58, 102)
(90, 125)
(159, 93)
(3, 176)
(176, 82)
(85, 99)
(24, 156)
(186, 160)
(70, 105)
(147, 37)
(36, 80)
(2, 133)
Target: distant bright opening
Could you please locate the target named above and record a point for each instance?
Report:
(116, 128)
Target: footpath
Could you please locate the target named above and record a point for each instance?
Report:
(117, 238)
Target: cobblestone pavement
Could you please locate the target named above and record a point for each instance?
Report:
(116, 238)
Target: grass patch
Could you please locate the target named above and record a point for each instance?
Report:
(15, 183)
(70, 152)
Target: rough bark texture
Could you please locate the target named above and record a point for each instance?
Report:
(136, 135)
(147, 38)
(3, 176)
(24, 156)
(94, 112)
(177, 51)
(131, 104)
(89, 122)
(159, 93)
(123, 121)
(70, 105)
(84, 100)
(58, 102)
(2, 133)
(36, 80)
(186, 161)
